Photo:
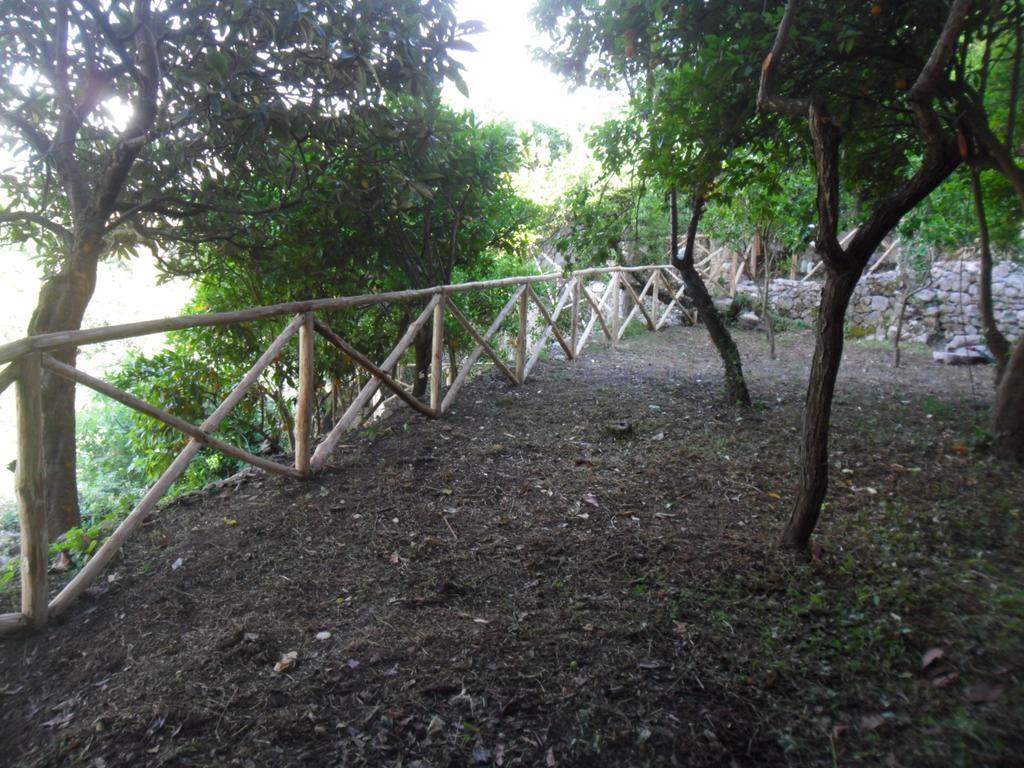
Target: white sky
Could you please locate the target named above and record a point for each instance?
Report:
(506, 83)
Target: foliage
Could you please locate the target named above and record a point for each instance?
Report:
(766, 198)
(222, 94)
(111, 474)
(416, 191)
(607, 222)
(190, 379)
(946, 219)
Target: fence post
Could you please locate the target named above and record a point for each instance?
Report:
(436, 348)
(307, 386)
(654, 296)
(524, 305)
(31, 492)
(575, 317)
(616, 306)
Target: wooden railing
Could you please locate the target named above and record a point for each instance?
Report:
(28, 358)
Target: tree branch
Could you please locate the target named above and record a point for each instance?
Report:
(1014, 95)
(768, 99)
(133, 139)
(34, 137)
(929, 81)
(179, 208)
(116, 42)
(39, 220)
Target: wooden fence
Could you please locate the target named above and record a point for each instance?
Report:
(28, 358)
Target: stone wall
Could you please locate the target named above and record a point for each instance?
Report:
(947, 307)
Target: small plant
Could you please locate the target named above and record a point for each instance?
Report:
(741, 302)
(934, 407)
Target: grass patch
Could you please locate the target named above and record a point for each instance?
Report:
(834, 648)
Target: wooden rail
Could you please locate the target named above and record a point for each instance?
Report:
(28, 358)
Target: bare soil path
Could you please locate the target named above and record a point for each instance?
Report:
(526, 584)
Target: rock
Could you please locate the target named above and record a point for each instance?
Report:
(978, 355)
(748, 321)
(958, 342)
(722, 304)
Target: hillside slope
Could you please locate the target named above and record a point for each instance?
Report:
(526, 583)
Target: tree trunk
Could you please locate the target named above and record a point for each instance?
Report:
(994, 338)
(1008, 413)
(60, 307)
(828, 353)
(735, 385)
(422, 348)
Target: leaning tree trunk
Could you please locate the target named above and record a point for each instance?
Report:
(1008, 413)
(60, 307)
(828, 354)
(735, 385)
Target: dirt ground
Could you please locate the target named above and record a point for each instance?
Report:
(526, 584)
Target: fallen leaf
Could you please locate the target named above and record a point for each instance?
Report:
(176, 564)
(394, 559)
(321, 636)
(930, 657)
(871, 722)
(230, 522)
(550, 759)
(680, 628)
(591, 499)
(287, 662)
(62, 563)
(658, 437)
(774, 495)
(59, 720)
(817, 552)
(435, 726)
(984, 693)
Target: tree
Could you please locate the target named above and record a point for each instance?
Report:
(129, 116)
(690, 104)
(884, 94)
(938, 101)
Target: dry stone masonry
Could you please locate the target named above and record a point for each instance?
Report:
(946, 308)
